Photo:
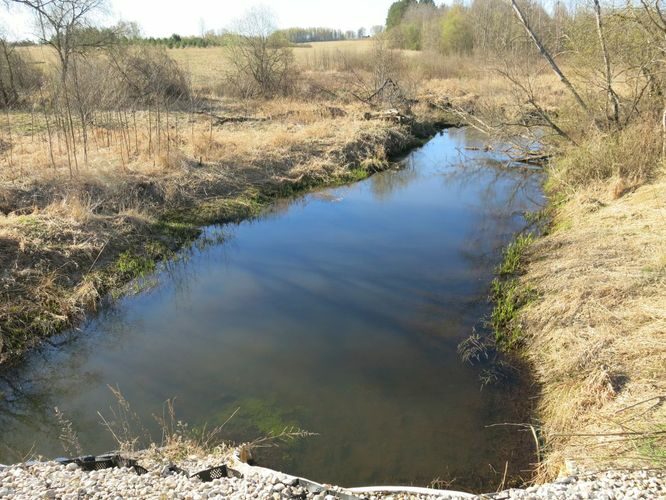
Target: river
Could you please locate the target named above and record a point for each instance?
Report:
(338, 312)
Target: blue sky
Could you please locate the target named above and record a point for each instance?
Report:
(164, 17)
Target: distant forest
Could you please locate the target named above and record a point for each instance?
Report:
(131, 33)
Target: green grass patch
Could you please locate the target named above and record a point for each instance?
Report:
(257, 417)
(217, 211)
(130, 265)
(653, 447)
(509, 295)
(513, 255)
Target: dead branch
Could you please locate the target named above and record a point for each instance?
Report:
(221, 120)
(531, 99)
(536, 160)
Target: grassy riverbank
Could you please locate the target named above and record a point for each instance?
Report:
(584, 304)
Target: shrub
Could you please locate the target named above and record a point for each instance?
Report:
(261, 58)
(17, 76)
(149, 75)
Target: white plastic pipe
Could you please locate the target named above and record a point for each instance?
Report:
(409, 489)
(370, 490)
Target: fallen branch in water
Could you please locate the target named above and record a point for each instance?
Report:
(466, 117)
(537, 160)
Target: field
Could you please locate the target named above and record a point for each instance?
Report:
(208, 65)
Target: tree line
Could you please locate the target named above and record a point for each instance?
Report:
(482, 26)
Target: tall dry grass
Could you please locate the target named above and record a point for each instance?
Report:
(628, 158)
(595, 334)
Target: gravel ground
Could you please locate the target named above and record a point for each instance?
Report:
(57, 481)
(612, 485)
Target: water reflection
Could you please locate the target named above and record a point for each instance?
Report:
(339, 312)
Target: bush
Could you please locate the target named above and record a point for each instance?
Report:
(261, 59)
(149, 75)
(17, 76)
(457, 34)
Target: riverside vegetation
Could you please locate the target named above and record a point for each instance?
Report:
(113, 154)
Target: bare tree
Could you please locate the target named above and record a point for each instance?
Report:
(66, 26)
(262, 60)
(8, 91)
(60, 23)
(612, 96)
(651, 17)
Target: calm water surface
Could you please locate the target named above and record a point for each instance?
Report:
(339, 313)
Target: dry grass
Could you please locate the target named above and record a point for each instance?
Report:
(629, 157)
(327, 62)
(284, 134)
(493, 96)
(209, 66)
(596, 336)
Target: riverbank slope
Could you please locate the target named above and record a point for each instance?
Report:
(586, 305)
(596, 329)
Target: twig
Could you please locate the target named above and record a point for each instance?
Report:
(503, 483)
(660, 398)
(97, 258)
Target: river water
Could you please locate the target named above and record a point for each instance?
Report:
(338, 312)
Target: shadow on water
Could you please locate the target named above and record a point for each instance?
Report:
(339, 312)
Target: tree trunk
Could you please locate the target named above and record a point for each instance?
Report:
(612, 96)
(544, 52)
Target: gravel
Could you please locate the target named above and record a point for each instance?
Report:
(611, 485)
(51, 480)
